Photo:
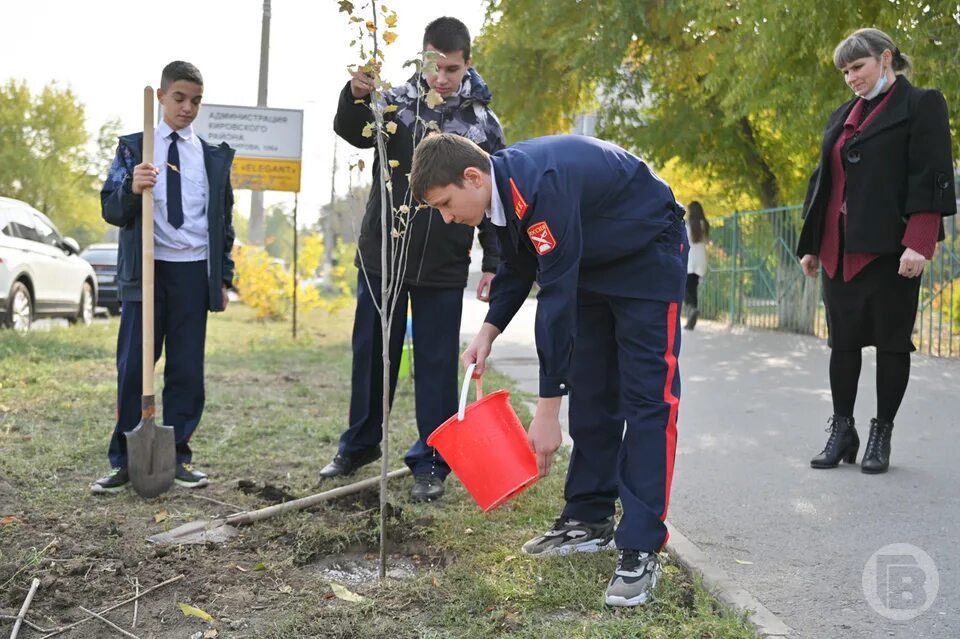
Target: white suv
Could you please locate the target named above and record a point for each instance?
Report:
(41, 274)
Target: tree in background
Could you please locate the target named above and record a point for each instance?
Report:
(45, 160)
(738, 91)
(729, 93)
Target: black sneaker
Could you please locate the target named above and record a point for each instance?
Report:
(569, 535)
(426, 488)
(187, 477)
(634, 579)
(348, 464)
(114, 482)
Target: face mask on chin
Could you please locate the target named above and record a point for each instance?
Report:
(879, 86)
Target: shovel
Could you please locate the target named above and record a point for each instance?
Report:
(151, 449)
(205, 531)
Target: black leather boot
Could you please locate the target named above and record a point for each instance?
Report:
(842, 444)
(876, 459)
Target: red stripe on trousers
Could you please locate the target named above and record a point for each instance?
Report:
(674, 402)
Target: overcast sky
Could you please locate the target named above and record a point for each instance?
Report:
(108, 50)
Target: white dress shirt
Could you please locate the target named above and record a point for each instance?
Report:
(495, 213)
(189, 242)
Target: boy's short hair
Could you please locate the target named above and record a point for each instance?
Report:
(448, 35)
(179, 70)
(441, 159)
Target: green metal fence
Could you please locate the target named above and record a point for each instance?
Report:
(754, 279)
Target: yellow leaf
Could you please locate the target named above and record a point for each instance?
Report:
(394, 163)
(391, 20)
(260, 566)
(389, 37)
(190, 611)
(160, 516)
(433, 98)
(371, 27)
(391, 127)
(343, 593)
(367, 131)
(390, 108)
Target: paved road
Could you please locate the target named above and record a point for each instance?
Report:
(753, 411)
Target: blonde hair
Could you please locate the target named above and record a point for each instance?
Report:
(870, 42)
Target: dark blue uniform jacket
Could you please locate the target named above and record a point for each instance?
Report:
(581, 214)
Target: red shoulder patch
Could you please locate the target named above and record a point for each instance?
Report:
(519, 204)
(542, 238)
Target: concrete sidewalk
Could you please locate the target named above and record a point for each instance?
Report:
(753, 412)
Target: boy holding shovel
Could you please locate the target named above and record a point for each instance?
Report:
(193, 237)
(605, 240)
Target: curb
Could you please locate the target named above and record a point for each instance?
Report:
(718, 582)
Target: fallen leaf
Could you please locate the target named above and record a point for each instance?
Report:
(433, 98)
(329, 595)
(468, 531)
(343, 593)
(394, 163)
(260, 566)
(743, 563)
(6, 521)
(389, 37)
(160, 516)
(190, 611)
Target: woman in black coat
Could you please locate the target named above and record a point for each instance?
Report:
(872, 218)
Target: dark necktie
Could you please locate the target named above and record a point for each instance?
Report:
(174, 194)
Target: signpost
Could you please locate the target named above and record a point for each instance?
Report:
(269, 146)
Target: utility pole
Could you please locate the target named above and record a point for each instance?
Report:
(256, 200)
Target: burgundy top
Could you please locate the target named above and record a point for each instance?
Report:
(922, 228)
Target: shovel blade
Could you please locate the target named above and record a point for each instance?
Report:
(151, 458)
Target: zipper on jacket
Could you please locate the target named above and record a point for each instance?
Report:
(423, 253)
(426, 237)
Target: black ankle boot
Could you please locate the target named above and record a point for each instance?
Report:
(876, 459)
(842, 444)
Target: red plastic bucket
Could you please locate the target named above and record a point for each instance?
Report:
(486, 447)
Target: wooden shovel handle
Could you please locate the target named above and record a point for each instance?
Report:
(147, 243)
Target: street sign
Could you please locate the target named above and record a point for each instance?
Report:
(268, 143)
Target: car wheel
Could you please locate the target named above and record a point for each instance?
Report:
(20, 312)
(85, 314)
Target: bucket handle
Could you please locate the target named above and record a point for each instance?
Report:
(465, 389)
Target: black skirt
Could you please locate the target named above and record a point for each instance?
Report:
(878, 307)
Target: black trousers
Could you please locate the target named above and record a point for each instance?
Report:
(180, 326)
(436, 353)
(690, 294)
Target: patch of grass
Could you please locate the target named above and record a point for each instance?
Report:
(275, 409)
